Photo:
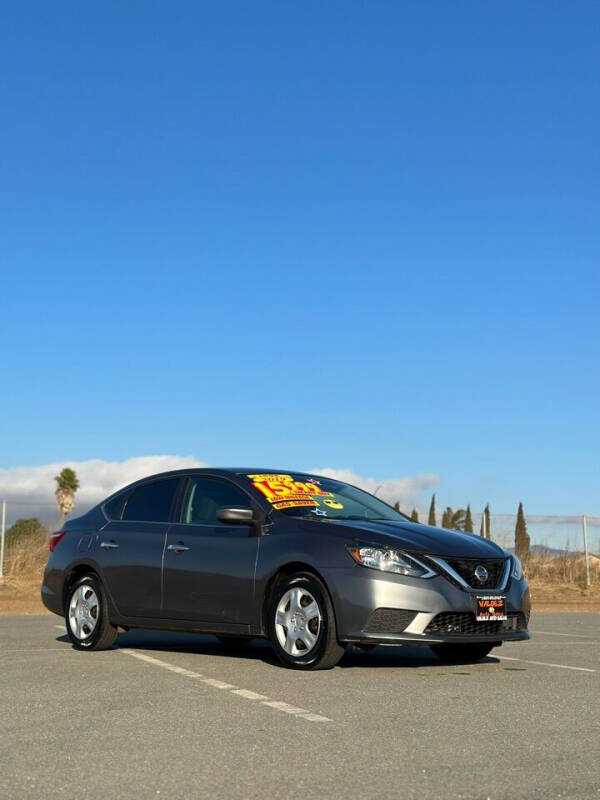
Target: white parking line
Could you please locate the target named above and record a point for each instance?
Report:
(247, 694)
(545, 664)
(552, 633)
(563, 644)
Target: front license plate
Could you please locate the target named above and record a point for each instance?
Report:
(491, 608)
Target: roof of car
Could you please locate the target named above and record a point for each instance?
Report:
(223, 471)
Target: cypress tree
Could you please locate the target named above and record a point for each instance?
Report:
(484, 529)
(397, 505)
(446, 517)
(468, 521)
(431, 518)
(521, 536)
(414, 515)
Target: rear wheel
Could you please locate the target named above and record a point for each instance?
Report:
(302, 624)
(86, 615)
(461, 653)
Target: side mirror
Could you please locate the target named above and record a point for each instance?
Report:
(234, 515)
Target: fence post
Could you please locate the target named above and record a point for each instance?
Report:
(2, 532)
(585, 551)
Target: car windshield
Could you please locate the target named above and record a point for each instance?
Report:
(318, 498)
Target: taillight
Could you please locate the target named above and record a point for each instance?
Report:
(55, 539)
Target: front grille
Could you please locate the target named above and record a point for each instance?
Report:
(466, 567)
(464, 623)
(389, 620)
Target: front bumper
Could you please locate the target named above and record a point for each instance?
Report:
(358, 592)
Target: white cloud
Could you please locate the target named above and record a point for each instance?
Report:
(404, 490)
(30, 490)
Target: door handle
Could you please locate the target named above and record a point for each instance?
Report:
(109, 545)
(177, 548)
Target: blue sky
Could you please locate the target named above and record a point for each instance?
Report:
(344, 235)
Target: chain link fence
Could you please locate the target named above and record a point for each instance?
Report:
(546, 532)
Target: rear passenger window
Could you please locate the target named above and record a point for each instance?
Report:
(151, 502)
(114, 508)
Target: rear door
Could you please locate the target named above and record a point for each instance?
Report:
(209, 565)
(130, 548)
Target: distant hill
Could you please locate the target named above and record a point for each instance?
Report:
(544, 550)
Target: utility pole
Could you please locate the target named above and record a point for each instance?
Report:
(585, 551)
(2, 532)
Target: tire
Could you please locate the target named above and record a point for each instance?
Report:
(461, 653)
(302, 624)
(234, 642)
(86, 615)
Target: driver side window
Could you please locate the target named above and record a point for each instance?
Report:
(205, 496)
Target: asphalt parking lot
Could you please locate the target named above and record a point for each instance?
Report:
(176, 716)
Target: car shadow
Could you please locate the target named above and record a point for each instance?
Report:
(197, 643)
(405, 657)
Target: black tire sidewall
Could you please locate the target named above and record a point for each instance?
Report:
(319, 592)
(93, 583)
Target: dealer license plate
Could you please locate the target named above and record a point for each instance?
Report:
(491, 608)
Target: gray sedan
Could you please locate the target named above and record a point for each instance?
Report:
(311, 563)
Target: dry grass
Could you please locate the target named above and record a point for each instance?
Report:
(26, 557)
(567, 568)
(558, 582)
(23, 568)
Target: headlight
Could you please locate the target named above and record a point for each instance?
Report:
(390, 561)
(517, 569)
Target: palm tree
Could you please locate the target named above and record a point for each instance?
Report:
(66, 486)
(454, 520)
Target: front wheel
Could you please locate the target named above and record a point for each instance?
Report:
(302, 624)
(461, 653)
(86, 615)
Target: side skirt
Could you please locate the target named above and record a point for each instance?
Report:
(183, 625)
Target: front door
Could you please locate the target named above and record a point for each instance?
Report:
(209, 566)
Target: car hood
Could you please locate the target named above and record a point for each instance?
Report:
(420, 538)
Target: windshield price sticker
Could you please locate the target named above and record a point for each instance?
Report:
(283, 488)
(491, 608)
(294, 503)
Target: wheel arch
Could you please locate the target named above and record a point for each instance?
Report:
(282, 572)
(76, 572)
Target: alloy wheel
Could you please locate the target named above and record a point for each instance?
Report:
(84, 610)
(298, 621)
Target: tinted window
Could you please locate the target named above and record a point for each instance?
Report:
(151, 502)
(205, 496)
(114, 508)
